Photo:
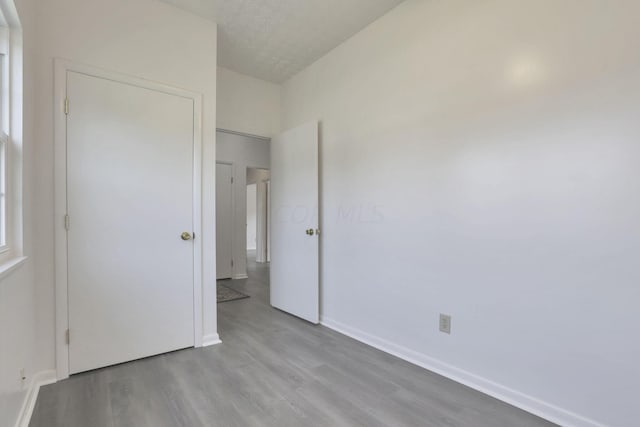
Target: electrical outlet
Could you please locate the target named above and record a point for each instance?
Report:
(445, 323)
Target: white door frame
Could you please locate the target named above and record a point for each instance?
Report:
(61, 67)
(233, 210)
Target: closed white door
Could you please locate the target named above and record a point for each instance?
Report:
(294, 222)
(130, 157)
(224, 221)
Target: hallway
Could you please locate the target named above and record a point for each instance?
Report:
(272, 369)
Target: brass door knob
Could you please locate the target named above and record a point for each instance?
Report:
(310, 232)
(185, 236)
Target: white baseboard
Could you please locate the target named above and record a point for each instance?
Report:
(515, 398)
(239, 276)
(211, 339)
(38, 380)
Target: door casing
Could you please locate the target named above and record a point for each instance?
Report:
(61, 67)
(232, 206)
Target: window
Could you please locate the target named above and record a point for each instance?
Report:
(10, 137)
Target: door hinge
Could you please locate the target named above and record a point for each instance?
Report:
(67, 338)
(232, 180)
(66, 106)
(231, 263)
(66, 222)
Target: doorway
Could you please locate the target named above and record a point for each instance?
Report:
(287, 233)
(258, 218)
(243, 157)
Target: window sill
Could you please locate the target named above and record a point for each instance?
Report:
(7, 267)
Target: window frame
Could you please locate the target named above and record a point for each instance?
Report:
(11, 136)
(6, 225)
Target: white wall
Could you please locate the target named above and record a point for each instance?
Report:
(243, 152)
(247, 104)
(142, 38)
(252, 197)
(481, 159)
(17, 290)
(17, 334)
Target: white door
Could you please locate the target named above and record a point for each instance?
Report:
(294, 222)
(224, 221)
(130, 197)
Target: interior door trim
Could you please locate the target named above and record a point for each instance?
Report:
(61, 68)
(233, 209)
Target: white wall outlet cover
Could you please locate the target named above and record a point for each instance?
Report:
(445, 323)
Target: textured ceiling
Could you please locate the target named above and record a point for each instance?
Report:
(274, 39)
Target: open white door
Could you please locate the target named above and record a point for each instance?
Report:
(294, 222)
(130, 201)
(224, 221)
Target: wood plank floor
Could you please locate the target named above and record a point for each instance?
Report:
(272, 369)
